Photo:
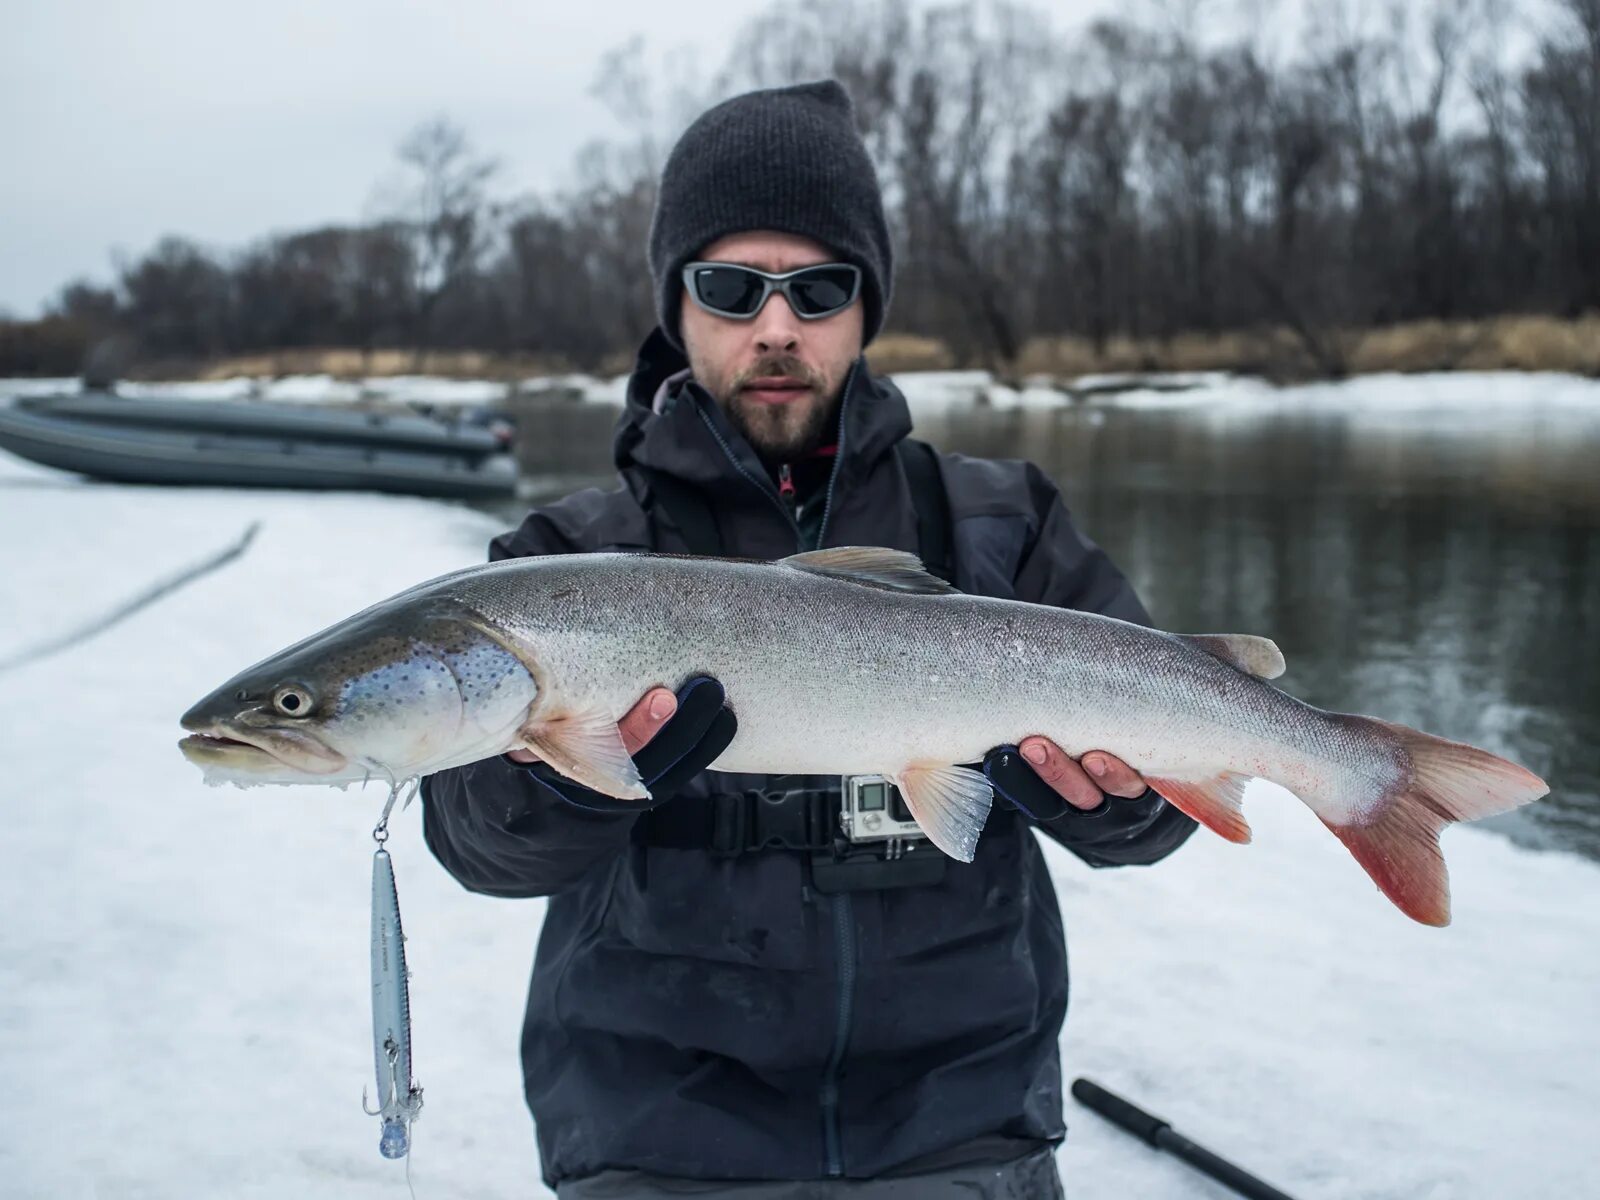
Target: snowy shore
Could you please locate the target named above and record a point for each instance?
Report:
(183, 970)
(1423, 395)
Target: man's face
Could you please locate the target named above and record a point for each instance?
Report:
(777, 377)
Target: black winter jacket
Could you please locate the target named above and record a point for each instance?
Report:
(714, 1017)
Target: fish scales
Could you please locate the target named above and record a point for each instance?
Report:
(826, 675)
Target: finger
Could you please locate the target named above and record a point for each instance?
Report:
(1112, 775)
(522, 756)
(1014, 779)
(1066, 777)
(723, 726)
(700, 701)
(645, 719)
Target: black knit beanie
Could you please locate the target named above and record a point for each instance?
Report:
(787, 159)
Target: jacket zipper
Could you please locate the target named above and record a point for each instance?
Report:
(767, 491)
(764, 488)
(844, 925)
(844, 940)
(844, 920)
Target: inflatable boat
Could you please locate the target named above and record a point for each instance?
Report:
(245, 443)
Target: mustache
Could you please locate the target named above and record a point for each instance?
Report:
(784, 364)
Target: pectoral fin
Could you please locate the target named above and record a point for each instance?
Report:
(950, 803)
(585, 746)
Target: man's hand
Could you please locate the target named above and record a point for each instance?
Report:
(642, 722)
(1086, 783)
(1038, 777)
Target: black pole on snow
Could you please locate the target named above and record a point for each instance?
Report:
(1162, 1136)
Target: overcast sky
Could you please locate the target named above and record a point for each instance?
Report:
(223, 121)
(121, 121)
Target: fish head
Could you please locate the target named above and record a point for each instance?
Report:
(391, 693)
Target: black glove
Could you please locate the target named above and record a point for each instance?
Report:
(690, 741)
(1015, 781)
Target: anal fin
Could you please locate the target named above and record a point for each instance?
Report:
(950, 803)
(1214, 802)
(584, 745)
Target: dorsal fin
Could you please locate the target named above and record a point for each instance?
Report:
(871, 566)
(1256, 656)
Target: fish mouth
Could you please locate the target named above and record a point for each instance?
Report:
(220, 752)
(227, 752)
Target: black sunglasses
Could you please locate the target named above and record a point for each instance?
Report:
(729, 290)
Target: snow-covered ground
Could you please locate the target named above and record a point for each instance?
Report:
(1393, 397)
(183, 971)
(1399, 397)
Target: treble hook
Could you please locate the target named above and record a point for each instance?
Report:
(380, 832)
(395, 1137)
(392, 1053)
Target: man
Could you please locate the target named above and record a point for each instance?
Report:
(730, 998)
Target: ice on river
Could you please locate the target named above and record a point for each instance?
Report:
(183, 970)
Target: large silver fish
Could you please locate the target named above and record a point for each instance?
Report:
(841, 661)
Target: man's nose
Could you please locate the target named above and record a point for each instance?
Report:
(776, 328)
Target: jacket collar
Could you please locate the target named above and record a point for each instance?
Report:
(672, 425)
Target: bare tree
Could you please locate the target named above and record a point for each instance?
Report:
(1561, 95)
(179, 299)
(446, 214)
(1383, 162)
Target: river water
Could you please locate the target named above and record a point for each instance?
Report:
(1426, 550)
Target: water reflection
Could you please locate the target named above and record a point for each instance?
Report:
(1433, 565)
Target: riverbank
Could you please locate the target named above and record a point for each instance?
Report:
(925, 389)
(183, 974)
(1503, 343)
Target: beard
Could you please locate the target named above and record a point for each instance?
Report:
(787, 431)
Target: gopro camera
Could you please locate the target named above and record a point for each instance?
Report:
(881, 847)
(872, 810)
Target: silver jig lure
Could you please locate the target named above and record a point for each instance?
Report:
(399, 1098)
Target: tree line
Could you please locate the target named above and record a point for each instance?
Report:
(1329, 167)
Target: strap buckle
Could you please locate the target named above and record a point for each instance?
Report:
(772, 820)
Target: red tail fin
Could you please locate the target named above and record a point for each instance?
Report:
(1450, 781)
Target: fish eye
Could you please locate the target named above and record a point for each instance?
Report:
(292, 701)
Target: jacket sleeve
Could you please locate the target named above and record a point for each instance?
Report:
(1061, 566)
(492, 824)
(498, 831)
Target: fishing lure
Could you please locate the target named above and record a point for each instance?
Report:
(399, 1098)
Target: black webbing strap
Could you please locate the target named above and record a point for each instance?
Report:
(738, 822)
(687, 508)
(932, 505)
